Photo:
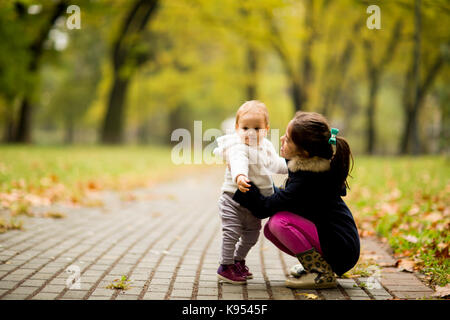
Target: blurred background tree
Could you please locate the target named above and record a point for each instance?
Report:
(137, 70)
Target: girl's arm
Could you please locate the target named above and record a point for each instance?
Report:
(263, 207)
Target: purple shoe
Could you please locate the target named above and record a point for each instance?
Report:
(230, 274)
(243, 269)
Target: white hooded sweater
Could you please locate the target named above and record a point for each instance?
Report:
(257, 163)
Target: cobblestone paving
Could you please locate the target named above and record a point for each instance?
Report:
(166, 240)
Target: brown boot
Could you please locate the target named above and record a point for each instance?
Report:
(319, 274)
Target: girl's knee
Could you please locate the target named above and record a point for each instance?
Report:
(277, 222)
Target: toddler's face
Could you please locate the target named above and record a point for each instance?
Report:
(252, 128)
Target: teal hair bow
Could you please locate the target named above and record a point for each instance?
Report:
(332, 139)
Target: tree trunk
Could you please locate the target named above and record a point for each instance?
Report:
(114, 120)
(371, 110)
(252, 63)
(415, 147)
(23, 132)
(8, 134)
(307, 67)
(122, 54)
(375, 72)
(349, 100)
(143, 132)
(178, 118)
(410, 141)
(70, 131)
(337, 75)
(296, 95)
(444, 132)
(295, 88)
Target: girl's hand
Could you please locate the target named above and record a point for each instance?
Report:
(243, 183)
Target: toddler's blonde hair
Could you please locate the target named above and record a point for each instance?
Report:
(253, 105)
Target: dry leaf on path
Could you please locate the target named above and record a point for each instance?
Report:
(310, 296)
(53, 215)
(442, 292)
(405, 265)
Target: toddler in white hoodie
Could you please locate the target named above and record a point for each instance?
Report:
(250, 156)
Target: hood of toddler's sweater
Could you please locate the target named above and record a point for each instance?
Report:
(224, 142)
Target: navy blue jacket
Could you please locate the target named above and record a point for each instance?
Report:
(311, 191)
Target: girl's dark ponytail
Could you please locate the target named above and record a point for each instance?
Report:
(342, 161)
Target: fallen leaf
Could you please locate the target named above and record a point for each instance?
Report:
(54, 215)
(366, 233)
(442, 292)
(405, 265)
(93, 185)
(410, 238)
(386, 264)
(93, 203)
(442, 251)
(310, 296)
(415, 209)
(441, 245)
(433, 217)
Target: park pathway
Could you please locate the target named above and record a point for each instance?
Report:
(166, 240)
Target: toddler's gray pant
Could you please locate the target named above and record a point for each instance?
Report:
(240, 229)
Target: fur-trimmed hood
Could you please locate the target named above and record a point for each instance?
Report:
(314, 164)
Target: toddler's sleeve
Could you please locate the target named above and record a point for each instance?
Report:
(238, 157)
(275, 163)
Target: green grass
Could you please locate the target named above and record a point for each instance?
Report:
(33, 175)
(32, 166)
(406, 201)
(120, 284)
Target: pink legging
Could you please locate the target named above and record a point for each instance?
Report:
(291, 233)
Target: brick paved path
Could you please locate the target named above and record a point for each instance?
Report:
(167, 241)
